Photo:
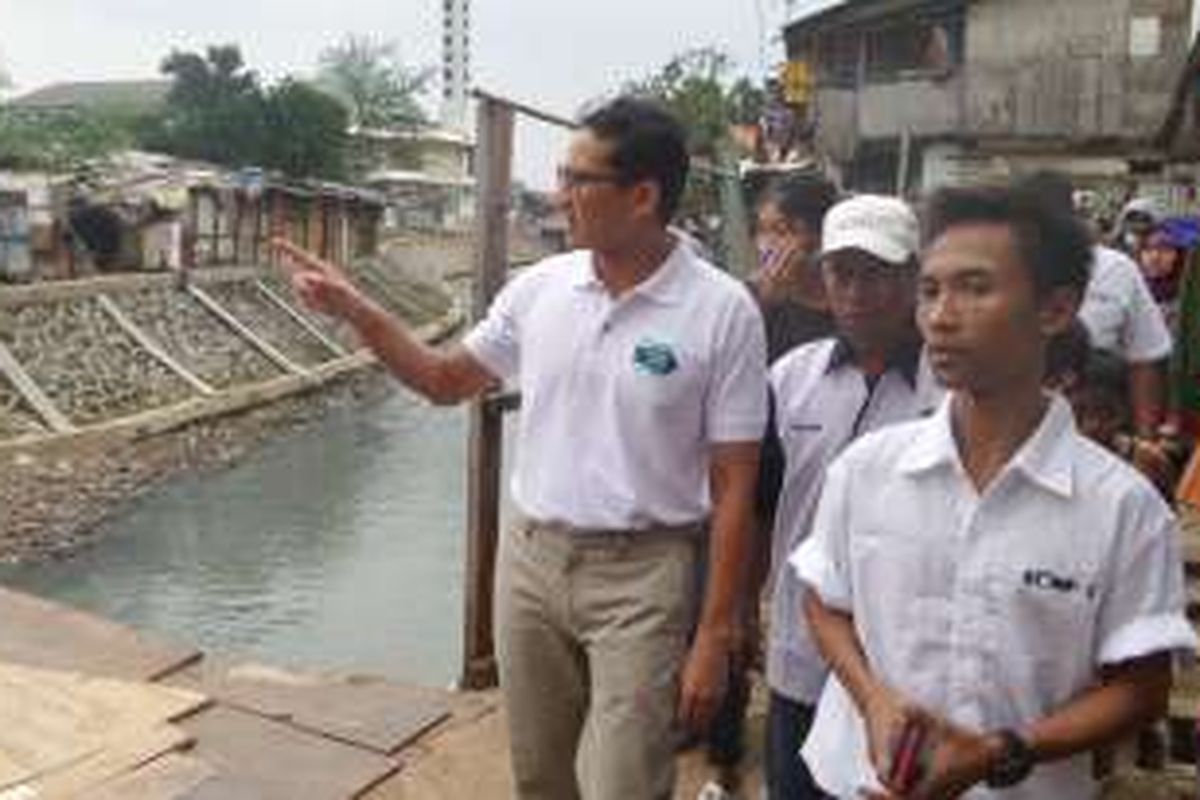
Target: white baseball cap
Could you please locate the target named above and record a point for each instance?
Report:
(885, 227)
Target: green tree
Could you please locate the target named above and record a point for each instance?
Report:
(56, 141)
(215, 110)
(699, 87)
(305, 131)
(369, 77)
(218, 111)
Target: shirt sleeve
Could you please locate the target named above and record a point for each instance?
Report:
(496, 339)
(1145, 336)
(736, 405)
(1143, 612)
(822, 561)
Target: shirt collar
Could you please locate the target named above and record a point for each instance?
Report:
(905, 359)
(1046, 458)
(664, 285)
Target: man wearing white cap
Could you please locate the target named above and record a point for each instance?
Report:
(826, 394)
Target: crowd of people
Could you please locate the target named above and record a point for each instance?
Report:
(937, 445)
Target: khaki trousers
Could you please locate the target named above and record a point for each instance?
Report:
(592, 629)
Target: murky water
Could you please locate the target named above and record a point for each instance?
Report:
(339, 546)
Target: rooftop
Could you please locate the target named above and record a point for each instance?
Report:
(128, 95)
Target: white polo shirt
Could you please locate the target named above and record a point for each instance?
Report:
(622, 399)
(1120, 312)
(823, 402)
(992, 611)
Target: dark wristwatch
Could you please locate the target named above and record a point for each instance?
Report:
(1015, 763)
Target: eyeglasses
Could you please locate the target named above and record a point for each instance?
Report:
(569, 178)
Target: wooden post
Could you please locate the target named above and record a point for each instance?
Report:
(904, 162)
(495, 121)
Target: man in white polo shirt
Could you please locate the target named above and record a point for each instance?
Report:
(1120, 315)
(987, 578)
(643, 381)
(827, 393)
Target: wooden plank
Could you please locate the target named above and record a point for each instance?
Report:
(301, 320)
(38, 633)
(152, 347)
(496, 122)
(169, 777)
(27, 387)
(64, 729)
(124, 754)
(234, 324)
(369, 713)
(260, 758)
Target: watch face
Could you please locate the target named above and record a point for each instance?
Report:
(1014, 765)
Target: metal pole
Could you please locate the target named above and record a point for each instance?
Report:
(495, 120)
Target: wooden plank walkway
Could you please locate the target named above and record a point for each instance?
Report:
(366, 712)
(37, 633)
(250, 731)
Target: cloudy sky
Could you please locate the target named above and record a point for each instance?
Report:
(552, 53)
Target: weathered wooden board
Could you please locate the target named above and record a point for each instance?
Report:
(367, 712)
(43, 634)
(122, 756)
(52, 722)
(268, 760)
(170, 777)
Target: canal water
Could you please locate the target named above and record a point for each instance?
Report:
(338, 546)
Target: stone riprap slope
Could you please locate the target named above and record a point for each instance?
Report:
(340, 332)
(86, 364)
(196, 338)
(16, 418)
(107, 348)
(245, 301)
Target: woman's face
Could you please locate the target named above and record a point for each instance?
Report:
(774, 233)
(1159, 259)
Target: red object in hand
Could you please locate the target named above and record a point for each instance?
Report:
(906, 758)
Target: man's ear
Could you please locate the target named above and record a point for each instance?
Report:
(1057, 310)
(647, 197)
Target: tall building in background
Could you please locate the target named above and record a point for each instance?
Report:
(456, 62)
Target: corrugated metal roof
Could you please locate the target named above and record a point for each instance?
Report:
(800, 10)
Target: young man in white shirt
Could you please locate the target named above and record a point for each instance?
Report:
(827, 393)
(988, 579)
(642, 371)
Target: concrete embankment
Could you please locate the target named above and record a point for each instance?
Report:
(111, 385)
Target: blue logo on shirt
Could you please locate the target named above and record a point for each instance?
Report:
(654, 358)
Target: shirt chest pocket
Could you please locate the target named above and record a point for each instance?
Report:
(1039, 606)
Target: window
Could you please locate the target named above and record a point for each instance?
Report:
(914, 46)
(838, 57)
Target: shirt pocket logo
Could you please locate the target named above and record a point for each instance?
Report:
(652, 357)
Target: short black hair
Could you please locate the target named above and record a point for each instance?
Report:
(1107, 375)
(1068, 352)
(805, 197)
(649, 143)
(1052, 243)
(1052, 187)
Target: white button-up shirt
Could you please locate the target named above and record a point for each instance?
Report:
(1120, 312)
(995, 610)
(622, 399)
(823, 402)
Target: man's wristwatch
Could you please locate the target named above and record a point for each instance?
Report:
(1015, 763)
